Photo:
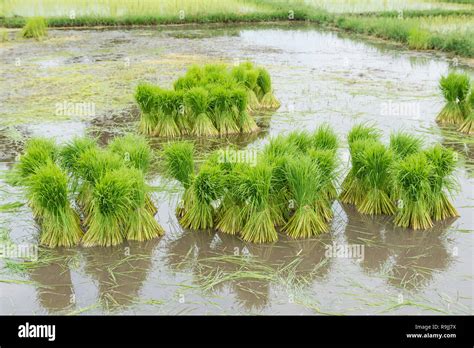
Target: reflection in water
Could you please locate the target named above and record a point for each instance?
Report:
(120, 271)
(409, 258)
(220, 261)
(462, 144)
(55, 290)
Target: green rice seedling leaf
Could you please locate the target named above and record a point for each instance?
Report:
(35, 27)
(467, 126)
(301, 139)
(134, 149)
(197, 101)
(147, 97)
(305, 184)
(110, 210)
(207, 187)
(413, 180)
(353, 191)
(48, 197)
(362, 132)
(324, 138)
(38, 152)
(455, 88)
(264, 81)
(442, 181)
(327, 163)
(13, 206)
(71, 152)
(222, 102)
(179, 162)
(140, 223)
(168, 106)
(92, 165)
(254, 184)
(404, 144)
(374, 169)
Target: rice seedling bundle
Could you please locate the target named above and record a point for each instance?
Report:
(35, 28)
(140, 223)
(467, 126)
(197, 100)
(168, 106)
(244, 120)
(374, 166)
(145, 97)
(38, 152)
(455, 88)
(48, 196)
(179, 165)
(254, 183)
(442, 181)
(246, 76)
(72, 151)
(92, 165)
(224, 117)
(136, 153)
(264, 91)
(412, 177)
(325, 143)
(229, 216)
(109, 186)
(404, 144)
(326, 162)
(206, 189)
(358, 137)
(217, 100)
(305, 183)
(134, 150)
(109, 210)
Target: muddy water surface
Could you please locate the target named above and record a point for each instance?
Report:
(319, 77)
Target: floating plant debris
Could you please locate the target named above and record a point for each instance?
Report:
(208, 100)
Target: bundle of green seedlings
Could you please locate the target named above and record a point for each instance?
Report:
(467, 126)
(108, 185)
(289, 187)
(208, 100)
(35, 28)
(47, 192)
(402, 179)
(455, 88)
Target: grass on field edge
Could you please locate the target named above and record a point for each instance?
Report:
(385, 25)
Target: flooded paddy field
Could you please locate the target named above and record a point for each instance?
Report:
(319, 77)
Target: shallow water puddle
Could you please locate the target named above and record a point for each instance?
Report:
(364, 265)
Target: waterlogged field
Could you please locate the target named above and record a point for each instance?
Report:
(82, 82)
